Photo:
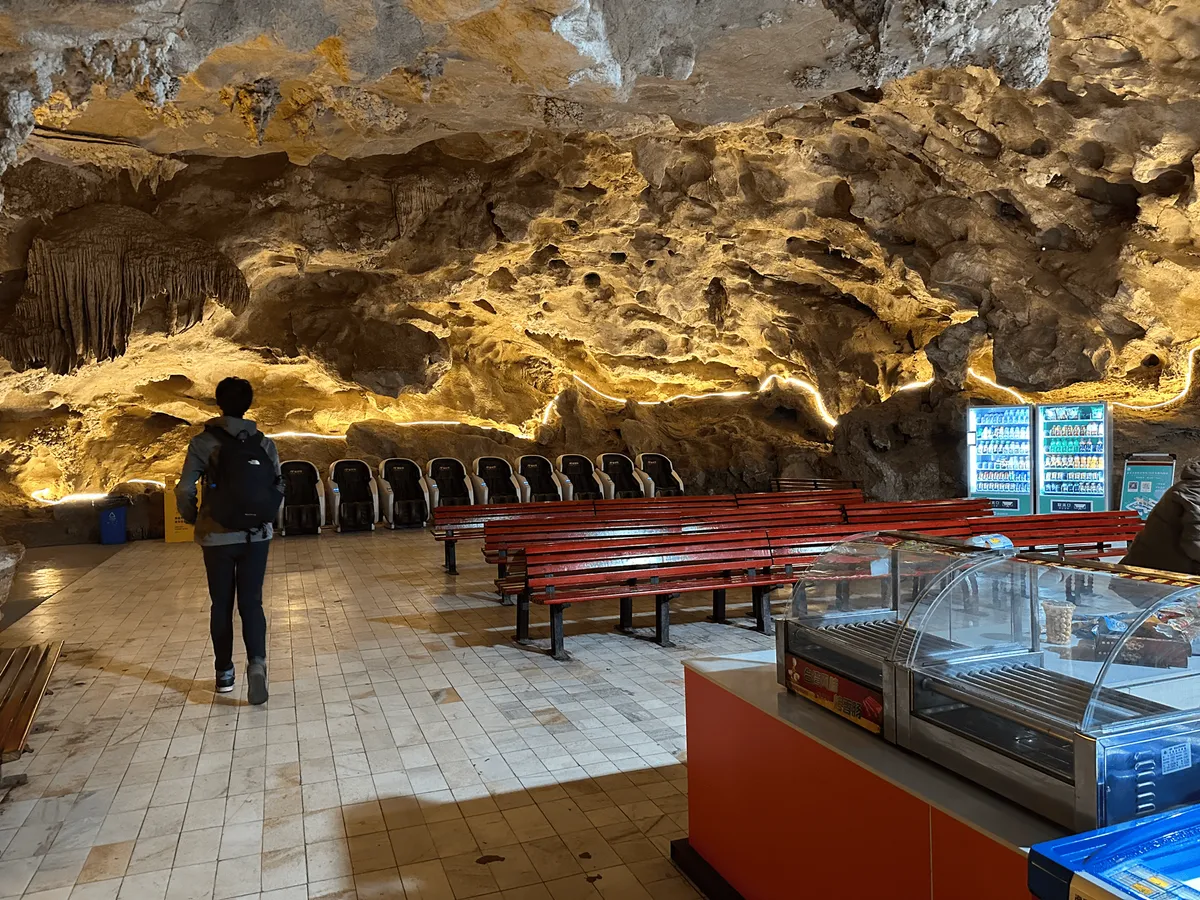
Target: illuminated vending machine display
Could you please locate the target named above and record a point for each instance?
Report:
(1000, 456)
(1074, 457)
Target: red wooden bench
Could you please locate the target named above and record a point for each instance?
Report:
(675, 565)
(1096, 535)
(975, 507)
(795, 550)
(663, 565)
(790, 498)
(505, 544)
(452, 524)
(811, 484)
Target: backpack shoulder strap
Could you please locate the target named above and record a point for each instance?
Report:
(241, 437)
(219, 433)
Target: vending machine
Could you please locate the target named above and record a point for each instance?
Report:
(1074, 466)
(1000, 456)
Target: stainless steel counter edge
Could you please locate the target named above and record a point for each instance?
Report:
(752, 678)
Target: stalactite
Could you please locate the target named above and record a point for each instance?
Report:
(92, 270)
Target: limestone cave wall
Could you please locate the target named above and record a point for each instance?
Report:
(901, 233)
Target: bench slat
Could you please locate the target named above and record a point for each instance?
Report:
(21, 703)
(13, 665)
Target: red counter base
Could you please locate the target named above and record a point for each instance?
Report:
(812, 821)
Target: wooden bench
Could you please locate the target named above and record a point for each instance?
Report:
(792, 498)
(794, 551)
(971, 507)
(511, 577)
(786, 485)
(1096, 535)
(452, 524)
(714, 556)
(505, 545)
(676, 565)
(24, 674)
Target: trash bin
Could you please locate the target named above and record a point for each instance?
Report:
(112, 524)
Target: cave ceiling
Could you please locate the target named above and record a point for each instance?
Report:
(520, 214)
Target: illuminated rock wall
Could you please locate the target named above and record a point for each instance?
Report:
(463, 263)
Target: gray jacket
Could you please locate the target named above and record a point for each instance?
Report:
(1170, 539)
(208, 532)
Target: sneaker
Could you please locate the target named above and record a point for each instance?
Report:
(256, 677)
(225, 681)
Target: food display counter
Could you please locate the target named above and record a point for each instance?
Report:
(1071, 688)
(787, 800)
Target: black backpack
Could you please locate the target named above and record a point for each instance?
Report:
(242, 492)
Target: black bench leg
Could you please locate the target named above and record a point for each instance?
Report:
(556, 632)
(12, 781)
(662, 620)
(451, 562)
(842, 596)
(522, 618)
(502, 570)
(762, 610)
(626, 621)
(718, 613)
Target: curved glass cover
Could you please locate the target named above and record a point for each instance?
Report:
(1061, 647)
(862, 588)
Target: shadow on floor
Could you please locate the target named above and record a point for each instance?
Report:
(602, 837)
(496, 625)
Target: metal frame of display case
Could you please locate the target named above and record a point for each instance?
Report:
(867, 641)
(997, 717)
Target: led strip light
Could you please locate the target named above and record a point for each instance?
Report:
(1187, 387)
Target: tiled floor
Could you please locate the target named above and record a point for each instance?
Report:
(409, 749)
(47, 570)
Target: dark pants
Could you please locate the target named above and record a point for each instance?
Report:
(237, 570)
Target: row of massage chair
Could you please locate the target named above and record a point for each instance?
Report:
(353, 495)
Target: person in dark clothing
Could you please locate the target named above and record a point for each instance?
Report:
(1170, 539)
(235, 561)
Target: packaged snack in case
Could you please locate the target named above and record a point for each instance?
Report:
(1058, 620)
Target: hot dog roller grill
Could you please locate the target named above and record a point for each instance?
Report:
(1070, 688)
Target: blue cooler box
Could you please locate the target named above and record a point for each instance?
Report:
(1155, 858)
(112, 525)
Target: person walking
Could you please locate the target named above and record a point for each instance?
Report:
(243, 490)
(1170, 539)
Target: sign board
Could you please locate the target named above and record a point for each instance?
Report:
(175, 530)
(850, 700)
(1147, 477)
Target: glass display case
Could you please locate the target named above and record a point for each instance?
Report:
(848, 616)
(1072, 688)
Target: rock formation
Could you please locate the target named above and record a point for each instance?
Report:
(518, 217)
(94, 270)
